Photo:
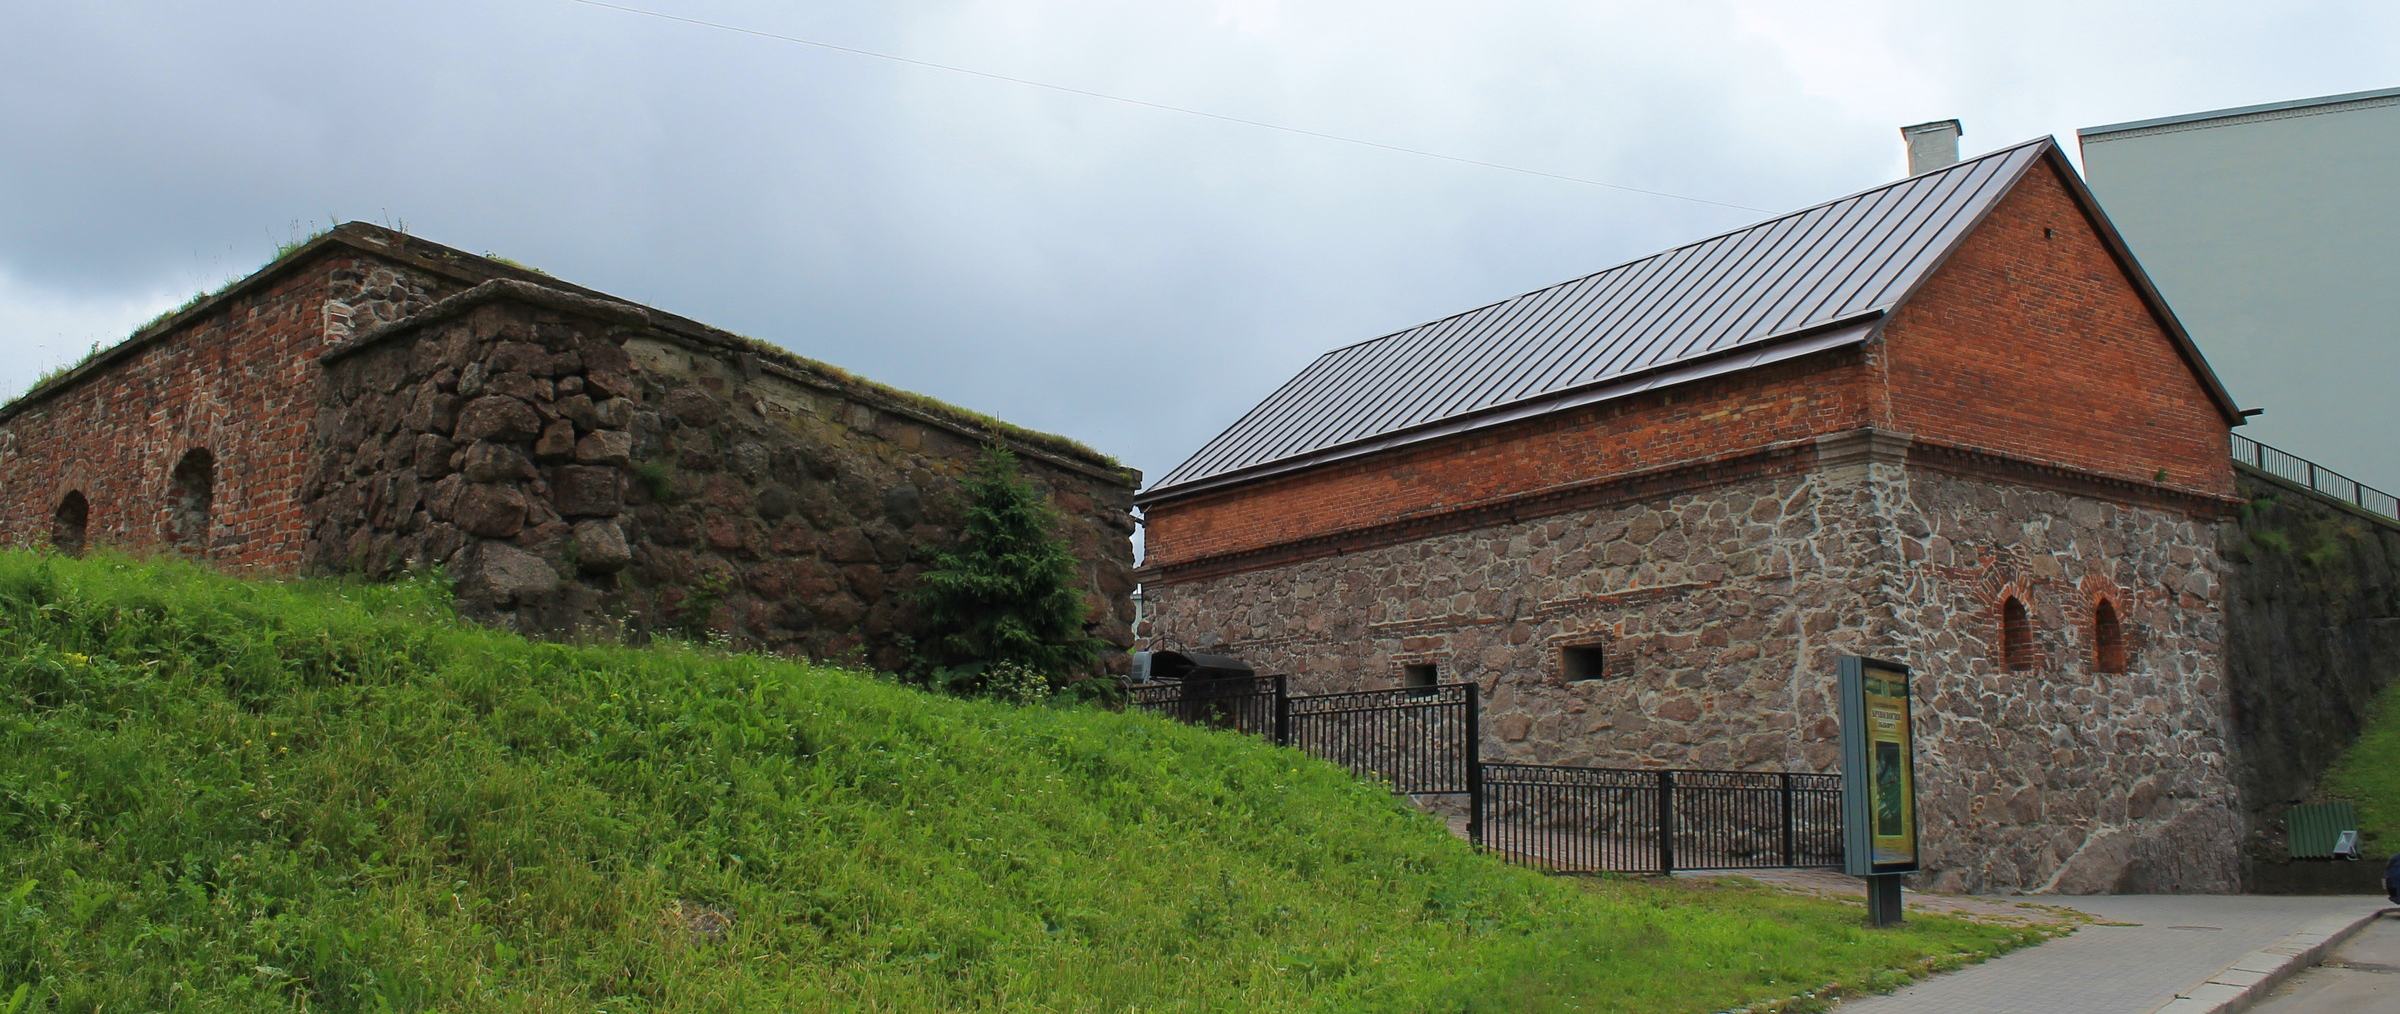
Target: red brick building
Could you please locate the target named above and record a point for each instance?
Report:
(1946, 421)
(371, 401)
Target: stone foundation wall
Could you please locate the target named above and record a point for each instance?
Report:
(579, 464)
(2062, 777)
(1720, 614)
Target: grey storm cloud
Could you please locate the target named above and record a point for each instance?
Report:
(1128, 276)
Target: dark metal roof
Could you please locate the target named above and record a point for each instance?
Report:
(1805, 281)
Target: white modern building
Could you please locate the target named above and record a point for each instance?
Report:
(2274, 233)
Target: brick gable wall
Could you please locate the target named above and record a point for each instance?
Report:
(2031, 342)
(235, 379)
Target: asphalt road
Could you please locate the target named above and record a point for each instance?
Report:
(2362, 976)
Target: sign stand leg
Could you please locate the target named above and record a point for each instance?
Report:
(1883, 899)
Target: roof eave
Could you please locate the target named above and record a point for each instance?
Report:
(2234, 113)
(1835, 333)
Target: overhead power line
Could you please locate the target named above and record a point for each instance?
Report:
(1146, 104)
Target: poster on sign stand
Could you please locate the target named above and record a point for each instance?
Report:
(1879, 782)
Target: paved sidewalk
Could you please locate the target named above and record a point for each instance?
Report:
(2176, 943)
(2363, 974)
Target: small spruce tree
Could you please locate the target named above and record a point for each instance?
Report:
(1002, 603)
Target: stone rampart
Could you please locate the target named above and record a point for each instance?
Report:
(2314, 596)
(580, 463)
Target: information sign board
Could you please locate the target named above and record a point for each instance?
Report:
(1879, 776)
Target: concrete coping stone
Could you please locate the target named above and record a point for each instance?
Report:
(2250, 977)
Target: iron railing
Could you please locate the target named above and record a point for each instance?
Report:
(2315, 477)
(1253, 704)
(1419, 740)
(1428, 741)
(1588, 820)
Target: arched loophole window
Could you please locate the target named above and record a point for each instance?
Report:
(70, 525)
(191, 491)
(2016, 634)
(2108, 639)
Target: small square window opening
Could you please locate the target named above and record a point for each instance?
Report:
(1583, 661)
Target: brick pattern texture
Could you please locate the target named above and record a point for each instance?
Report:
(236, 379)
(2031, 343)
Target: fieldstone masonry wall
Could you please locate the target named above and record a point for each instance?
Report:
(577, 464)
(1721, 612)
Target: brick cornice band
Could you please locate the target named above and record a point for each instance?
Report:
(1832, 451)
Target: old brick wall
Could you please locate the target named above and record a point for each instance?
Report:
(2031, 342)
(1726, 416)
(579, 463)
(1721, 612)
(232, 376)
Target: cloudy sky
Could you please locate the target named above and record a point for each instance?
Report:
(1126, 275)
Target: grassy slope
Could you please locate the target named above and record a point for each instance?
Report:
(2369, 776)
(221, 795)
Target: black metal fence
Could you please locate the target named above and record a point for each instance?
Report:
(1631, 820)
(2314, 476)
(1419, 740)
(1428, 741)
(1575, 820)
(1254, 704)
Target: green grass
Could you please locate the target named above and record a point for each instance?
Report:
(246, 795)
(2368, 775)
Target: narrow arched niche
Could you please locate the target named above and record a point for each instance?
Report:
(191, 495)
(70, 525)
(2108, 638)
(2016, 634)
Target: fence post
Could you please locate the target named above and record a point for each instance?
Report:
(1666, 822)
(1474, 766)
(1786, 779)
(1283, 713)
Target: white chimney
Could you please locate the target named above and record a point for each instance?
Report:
(1931, 146)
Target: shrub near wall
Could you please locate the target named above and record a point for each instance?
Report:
(578, 464)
